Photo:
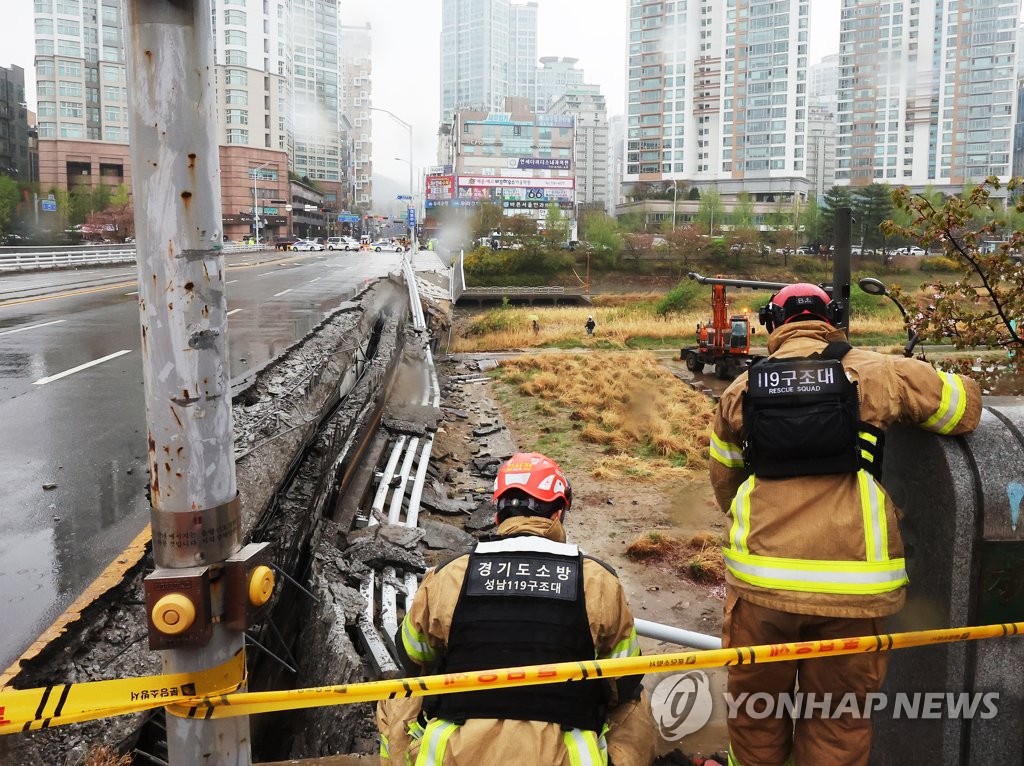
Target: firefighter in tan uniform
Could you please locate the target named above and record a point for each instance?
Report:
(814, 550)
(524, 598)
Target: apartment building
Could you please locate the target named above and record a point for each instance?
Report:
(356, 92)
(823, 82)
(590, 150)
(927, 92)
(717, 95)
(522, 62)
(556, 75)
(821, 149)
(278, 73)
(475, 46)
(15, 159)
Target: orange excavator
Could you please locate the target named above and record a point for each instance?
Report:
(724, 342)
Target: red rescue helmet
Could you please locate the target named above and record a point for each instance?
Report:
(531, 484)
(798, 302)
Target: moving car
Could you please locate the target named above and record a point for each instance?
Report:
(386, 246)
(307, 244)
(342, 243)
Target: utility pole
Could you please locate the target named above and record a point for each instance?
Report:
(195, 511)
(841, 274)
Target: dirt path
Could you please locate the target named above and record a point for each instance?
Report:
(606, 516)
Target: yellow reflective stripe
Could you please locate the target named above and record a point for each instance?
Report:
(584, 748)
(817, 576)
(870, 438)
(876, 529)
(416, 645)
(867, 456)
(729, 455)
(740, 510)
(384, 746)
(627, 647)
(951, 407)
(435, 742)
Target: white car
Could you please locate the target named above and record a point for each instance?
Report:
(384, 246)
(342, 243)
(307, 244)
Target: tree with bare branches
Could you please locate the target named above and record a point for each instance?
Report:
(984, 305)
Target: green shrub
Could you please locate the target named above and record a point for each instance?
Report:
(681, 297)
(939, 263)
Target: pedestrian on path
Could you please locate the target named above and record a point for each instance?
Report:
(590, 325)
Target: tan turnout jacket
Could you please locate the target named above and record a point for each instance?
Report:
(829, 545)
(630, 738)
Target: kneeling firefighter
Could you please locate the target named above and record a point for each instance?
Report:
(524, 597)
(814, 550)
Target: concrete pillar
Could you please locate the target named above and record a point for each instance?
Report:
(964, 535)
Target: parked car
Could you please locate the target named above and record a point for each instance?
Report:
(386, 246)
(342, 243)
(910, 251)
(285, 243)
(307, 245)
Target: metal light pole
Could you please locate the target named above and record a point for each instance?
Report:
(412, 230)
(196, 518)
(675, 190)
(255, 209)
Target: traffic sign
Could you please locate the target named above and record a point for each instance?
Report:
(49, 205)
(412, 217)
(404, 196)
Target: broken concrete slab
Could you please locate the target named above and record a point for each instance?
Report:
(377, 553)
(439, 535)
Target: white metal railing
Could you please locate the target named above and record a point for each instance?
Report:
(23, 260)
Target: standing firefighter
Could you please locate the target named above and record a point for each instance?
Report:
(814, 551)
(525, 597)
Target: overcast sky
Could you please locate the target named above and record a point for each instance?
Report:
(406, 59)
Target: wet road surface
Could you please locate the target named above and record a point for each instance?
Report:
(72, 413)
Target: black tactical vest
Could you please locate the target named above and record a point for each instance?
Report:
(522, 603)
(801, 417)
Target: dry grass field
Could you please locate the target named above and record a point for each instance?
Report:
(644, 422)
(623, 325)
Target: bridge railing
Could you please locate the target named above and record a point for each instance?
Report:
(21, 259)
(542, 290)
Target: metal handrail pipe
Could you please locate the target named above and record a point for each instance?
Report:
(385, 479)
(412, 515)
(395, 511)
(680, 636)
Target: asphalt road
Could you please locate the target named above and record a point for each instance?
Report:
(72, 413)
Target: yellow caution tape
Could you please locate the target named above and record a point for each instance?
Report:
(28, 709)
(23, 710)
(248, 703)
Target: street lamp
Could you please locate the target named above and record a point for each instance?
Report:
(873, 286)
(255, 209)
(400, 121)
(675, 190)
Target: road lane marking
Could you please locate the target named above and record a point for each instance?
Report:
(79, 368)
(314, 280)
(133, 292)
(30, 327)
(36, 299)
(268, 273)
(282, 292)
(233, 311)
(231, 281)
